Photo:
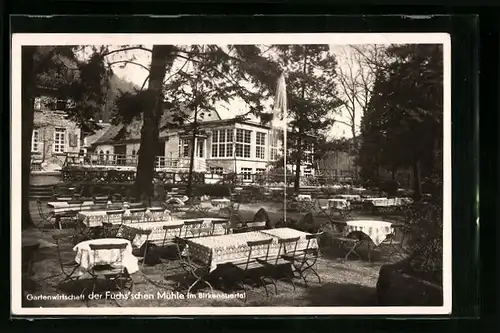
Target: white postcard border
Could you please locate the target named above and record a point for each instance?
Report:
(19, 40)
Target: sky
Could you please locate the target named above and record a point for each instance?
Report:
(138, 75)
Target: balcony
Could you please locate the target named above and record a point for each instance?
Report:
(129, 162)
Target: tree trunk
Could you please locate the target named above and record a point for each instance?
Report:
(191, 157)
(161, 58)
(296, 184)
(417, 181)
(27, 98)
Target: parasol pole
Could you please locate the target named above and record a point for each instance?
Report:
(280, 113)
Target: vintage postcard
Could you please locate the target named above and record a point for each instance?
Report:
(231, 174)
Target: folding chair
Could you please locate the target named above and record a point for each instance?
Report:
(195, 229)
(156, 214)
(243, 271)
(68, 267)
(137, 215)
(193, 268)
(393, 242)
(254, 226)
(69, 216)
(273, 267)
(115, 222)
(305, 260)
(45, 217)
(112, 272)
(216, 223)
(352, 242)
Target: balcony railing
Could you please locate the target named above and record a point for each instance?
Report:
(130, 161)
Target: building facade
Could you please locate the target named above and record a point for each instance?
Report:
(221, 146)
(54, 135)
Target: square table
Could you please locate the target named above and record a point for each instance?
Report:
(216, 250)
(376, 231)
(284, 233)
(64, 206)
(220, 203)
(157, 233)
(86, 258)
(93, 219)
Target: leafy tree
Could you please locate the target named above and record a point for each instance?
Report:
(310, 72)
(404, 124)
(60, 70)
(218, 73)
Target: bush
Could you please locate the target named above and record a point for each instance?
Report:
(424, 223)
(390, 187)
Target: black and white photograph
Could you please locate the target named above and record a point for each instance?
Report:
(234, 174)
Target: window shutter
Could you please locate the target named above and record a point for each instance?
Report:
(73, 140)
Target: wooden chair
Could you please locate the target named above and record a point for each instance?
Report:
(194, 269)
(274, 268)
(155, 212)
(46, 218)
(305, 260)
(194, 229)
(115, 222)
(114, 272)
(216, 223)
(137, 215)
(350, 242)
(243, 272)
(68, 267)
(394, 242)
(254, 226)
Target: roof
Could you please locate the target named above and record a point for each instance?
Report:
(89, 140)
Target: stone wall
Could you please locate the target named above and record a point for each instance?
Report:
(46, 122)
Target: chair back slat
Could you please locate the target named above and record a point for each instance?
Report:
(253, 244)
(97, 247)
(283, 242)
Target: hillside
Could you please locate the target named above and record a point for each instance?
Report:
(115, 85)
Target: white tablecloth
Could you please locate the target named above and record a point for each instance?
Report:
(338, 203)
(220, 202)
(304, 197)
(377, 231)
(62, 206)
(351, 197)
(283, 233)
(88, 259)
(216, 250)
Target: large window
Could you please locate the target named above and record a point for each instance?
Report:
(260, 145)
(222, 142)
(247, 173)
(274, 147)
(59, 140)
(200, 145)
(217, 170)
(35, 141)
(243, 141)
(183, 148)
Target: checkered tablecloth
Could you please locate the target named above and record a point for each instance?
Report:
(157, 235)
(304, 197)
(207, 223)
(219, 203)
(95, 218)
(284, 233)
(350, 197)
(377, 231)
(338, 204)
(216, 250)
(88, 258)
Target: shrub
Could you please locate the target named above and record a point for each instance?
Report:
(390, 187)
(424, 223)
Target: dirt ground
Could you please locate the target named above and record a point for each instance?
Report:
(349, 283)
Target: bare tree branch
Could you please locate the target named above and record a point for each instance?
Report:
(127, 49)
(128, 62)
